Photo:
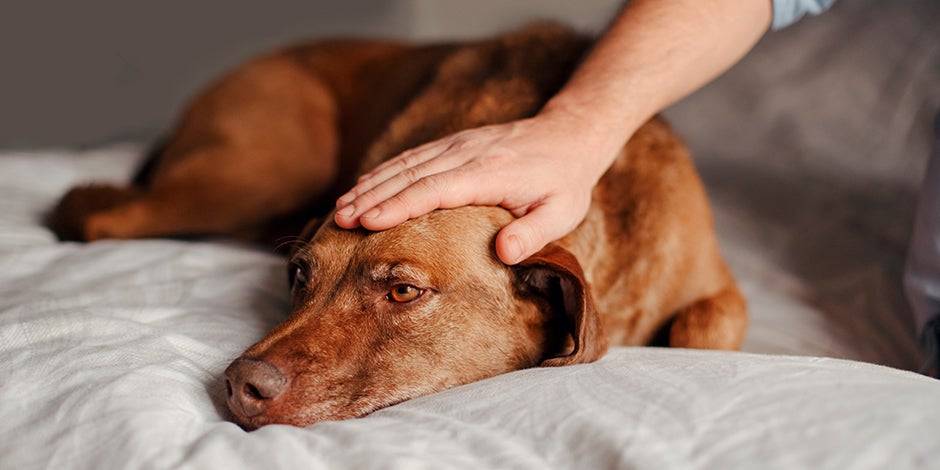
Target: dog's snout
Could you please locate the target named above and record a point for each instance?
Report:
(251, 385)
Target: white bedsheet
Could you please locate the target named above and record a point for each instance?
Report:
(812, 149)
(111, 356)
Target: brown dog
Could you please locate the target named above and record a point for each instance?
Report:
(382, 317)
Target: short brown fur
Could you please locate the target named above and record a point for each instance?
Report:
(280, 137)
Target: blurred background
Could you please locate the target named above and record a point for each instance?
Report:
(80, 73)
(813, 147)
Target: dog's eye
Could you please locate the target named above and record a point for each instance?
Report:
(298, 275)
(403, 293)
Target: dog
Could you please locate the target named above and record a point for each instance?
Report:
(381, 317)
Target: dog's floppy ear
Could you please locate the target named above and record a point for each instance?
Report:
(555, 275)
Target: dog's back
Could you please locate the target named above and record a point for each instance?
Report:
(487, 82)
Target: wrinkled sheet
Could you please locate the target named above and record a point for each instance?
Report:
(813, 150)
(111, 356)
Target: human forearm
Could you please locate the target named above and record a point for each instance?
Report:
(542, 169)
(655, 53)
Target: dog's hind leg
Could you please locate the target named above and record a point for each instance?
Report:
(261, 144)
(69, 217)
(213, 192)
(716, 322)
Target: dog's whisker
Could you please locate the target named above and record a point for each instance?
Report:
(288, 241)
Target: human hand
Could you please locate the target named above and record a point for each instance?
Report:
(541, 169)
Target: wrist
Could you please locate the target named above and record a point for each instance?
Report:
(600, 133)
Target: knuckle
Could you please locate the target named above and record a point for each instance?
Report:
(397, 203)
(408, 159)
(431, 186)
(461, 134)
(473, 166)
(432, 183)
(460, 143)
(411, 175)
(367, 198)
(400, 164)
(502, 155)
(400, 200)
(495, 162)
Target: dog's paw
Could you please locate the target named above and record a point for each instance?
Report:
(74, 216)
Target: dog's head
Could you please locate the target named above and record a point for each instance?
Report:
(382, 317)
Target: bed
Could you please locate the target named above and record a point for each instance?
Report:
(111, 353)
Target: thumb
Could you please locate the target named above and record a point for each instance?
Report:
(530, 233)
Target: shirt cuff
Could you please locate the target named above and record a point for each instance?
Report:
(787, 12)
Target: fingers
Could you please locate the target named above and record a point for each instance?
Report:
(411, 157)
(443, 190)
(390, 187)
(530, 233)
(407, 160)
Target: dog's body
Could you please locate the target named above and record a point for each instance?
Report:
(382, 317)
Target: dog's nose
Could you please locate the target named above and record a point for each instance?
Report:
(251, 386)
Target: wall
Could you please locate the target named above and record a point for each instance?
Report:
(83, 73)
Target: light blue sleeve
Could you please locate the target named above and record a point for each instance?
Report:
(787, 12)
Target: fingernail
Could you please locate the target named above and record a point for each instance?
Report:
(372, 213)
(347, 211)
(344, 199)
(513, 248)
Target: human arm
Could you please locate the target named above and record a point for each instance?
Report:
(543, 168)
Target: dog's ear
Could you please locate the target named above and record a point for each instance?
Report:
(555, 275)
